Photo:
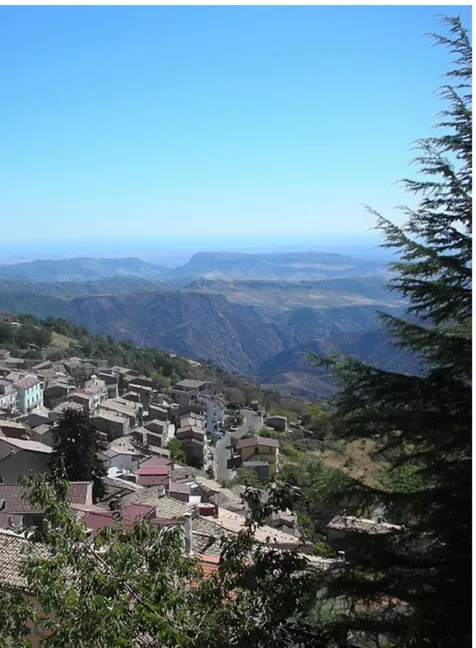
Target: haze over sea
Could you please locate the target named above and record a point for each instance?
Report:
(162, 131)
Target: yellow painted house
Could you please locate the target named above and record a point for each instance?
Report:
(260, 450)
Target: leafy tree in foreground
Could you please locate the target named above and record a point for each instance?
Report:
(137, 588)
(75, 453)
(432, 411)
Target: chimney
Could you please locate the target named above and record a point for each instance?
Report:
(188, 534)
(216, 505)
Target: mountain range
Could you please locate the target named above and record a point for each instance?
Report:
(260, 327)
(287, 266)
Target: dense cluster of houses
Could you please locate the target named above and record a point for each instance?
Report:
(135, 419)
(134, 416)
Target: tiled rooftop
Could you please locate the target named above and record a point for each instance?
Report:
(15, 499)
(13, 549)
(27, 445)
(360, 525)
(257, 440)
(235, 522)
(166, 507)
(27, 382)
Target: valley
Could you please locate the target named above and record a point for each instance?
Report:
(263, 327)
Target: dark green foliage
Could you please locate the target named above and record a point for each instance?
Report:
(432, 411)
(176, 450)
(258, 597)
(247, 477)
(29, 332)
(76, 446)
(326, 492)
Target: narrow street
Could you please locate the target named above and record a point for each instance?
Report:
(252, 422)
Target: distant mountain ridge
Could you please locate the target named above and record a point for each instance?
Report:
(287, 266)
(253, 326)
(82, 269)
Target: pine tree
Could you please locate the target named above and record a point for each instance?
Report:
(76, 446)
(427, 417)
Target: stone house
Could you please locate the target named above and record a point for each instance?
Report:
(8, 396)
(17, 512)
(260, 449)
(22, 457)
(112, 424)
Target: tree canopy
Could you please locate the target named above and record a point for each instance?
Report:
(75, 452)
(429, 569)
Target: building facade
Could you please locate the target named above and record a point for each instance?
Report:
(30, 393)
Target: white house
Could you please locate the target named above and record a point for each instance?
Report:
(122, 459)
(30, 393)
(215, 414)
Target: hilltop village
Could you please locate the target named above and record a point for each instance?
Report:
(170, 454)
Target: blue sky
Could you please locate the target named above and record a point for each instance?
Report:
(187, 122)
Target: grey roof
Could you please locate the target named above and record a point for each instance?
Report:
(13, 550)
(207, 526)
(34, 420)
(108, 415)
(360, 525)
(24, 444)
(42, 429)
(255, 464)
(188, 383)
(206, 545)
(166, 507)
(66, 405)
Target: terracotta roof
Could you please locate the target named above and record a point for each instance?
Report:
(130, 515)
(133, 513)
(156, 461)
(209, 564)
(27, 382)
(360, 525)
(154, 470)
(257, 440)
(152, 480)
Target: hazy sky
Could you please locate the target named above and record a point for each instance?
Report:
(130, 122)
